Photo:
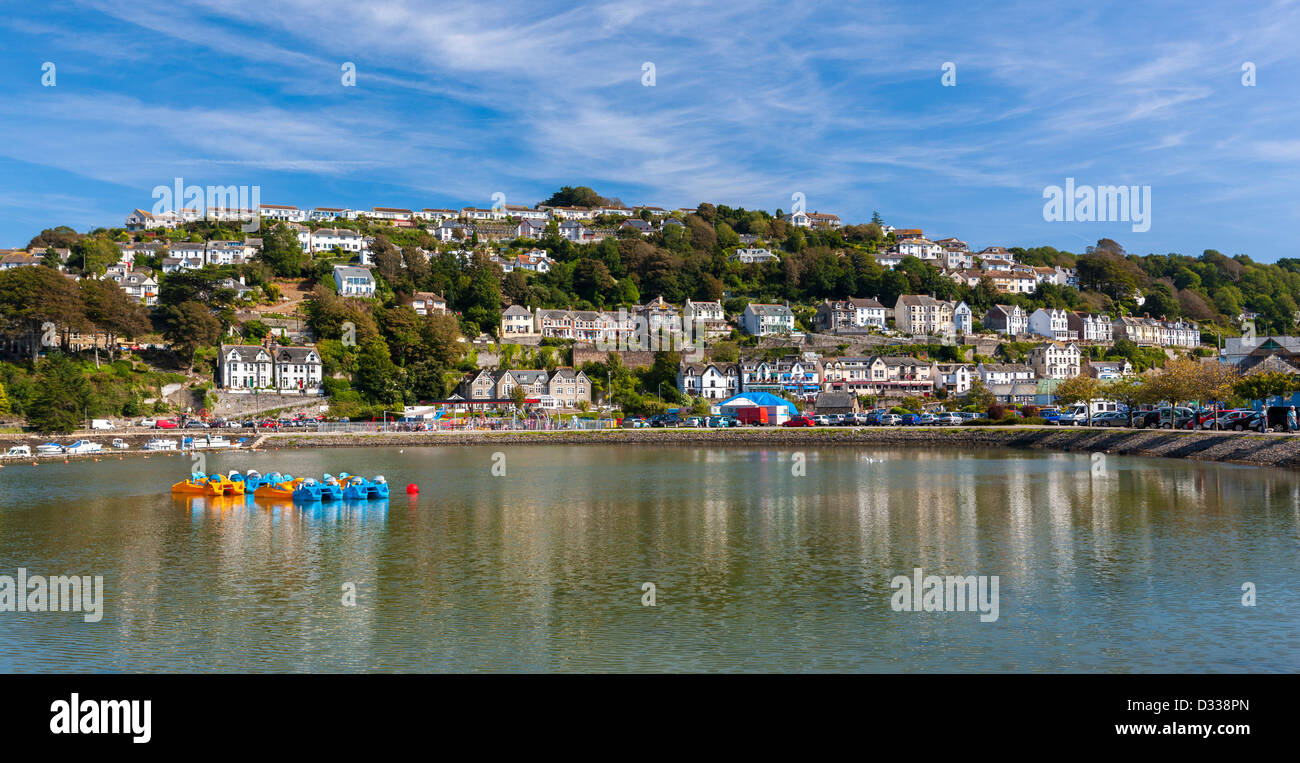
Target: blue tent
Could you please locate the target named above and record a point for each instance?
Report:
(750, 399)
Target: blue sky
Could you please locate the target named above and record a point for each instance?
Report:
(842, 102)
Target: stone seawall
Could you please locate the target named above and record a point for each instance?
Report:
(1229, 447)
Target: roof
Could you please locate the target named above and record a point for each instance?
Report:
(351, 271)
(296, 355)
(764, 399)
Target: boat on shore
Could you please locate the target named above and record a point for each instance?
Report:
(19, 451)
(49, 449)
(81, 447)
(158, 443)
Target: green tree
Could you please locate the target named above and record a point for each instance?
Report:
(282, 251)
(1079, 389)
(61, 397)
(376, 376)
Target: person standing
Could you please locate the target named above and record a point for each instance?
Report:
(1290, 419)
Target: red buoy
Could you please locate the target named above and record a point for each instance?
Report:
(412, 489)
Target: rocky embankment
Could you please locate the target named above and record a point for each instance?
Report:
(1230, 447)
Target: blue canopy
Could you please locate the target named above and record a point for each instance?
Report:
(764, 399)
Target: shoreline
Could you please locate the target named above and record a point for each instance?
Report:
(1253, 449)
(1247, 448)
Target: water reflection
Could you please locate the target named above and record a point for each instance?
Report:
(1136, 566)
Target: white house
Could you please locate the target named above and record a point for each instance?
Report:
(1055, 360)
(1052, 323)
(753, 255)
(297, 368)
(1003, 373)
(715, 381)
(246, 367)
(765, 320)
(1009, 320)
(953, 377)
(923, 314)
(353, 281)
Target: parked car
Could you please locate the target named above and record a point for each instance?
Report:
(1205, 419)
(196, 424)
(821, 421)
(890, 420)
(164, 424)
(101, 424)
(911, 419)
(1239, 420)
(1165, 417)
(1049, 414)
(799, 421)
(666, 420)
(1110, 419)
(147, 423)
(696, 421)
(948, 419)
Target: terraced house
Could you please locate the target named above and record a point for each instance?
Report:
(1090, 327)
(1009, 320)
(889, 375)
(705, 320)
(561, 388)
(860, 313)
(922, 314)
(1055, 360)
(283, 369)
(793, 374)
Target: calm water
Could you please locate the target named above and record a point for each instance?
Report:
(1138, 567)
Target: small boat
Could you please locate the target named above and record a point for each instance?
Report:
(232, 486)
(307, 491)
(330, 489)
(19, 451)
(354, 488)
(199, 484)
(158, 443)
(275, 486)
(84, 446)
(219, 441)
(49, 449)
(252, 479)
(120, 444)
(361, 489)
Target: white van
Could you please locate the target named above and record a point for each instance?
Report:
(102, 424)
